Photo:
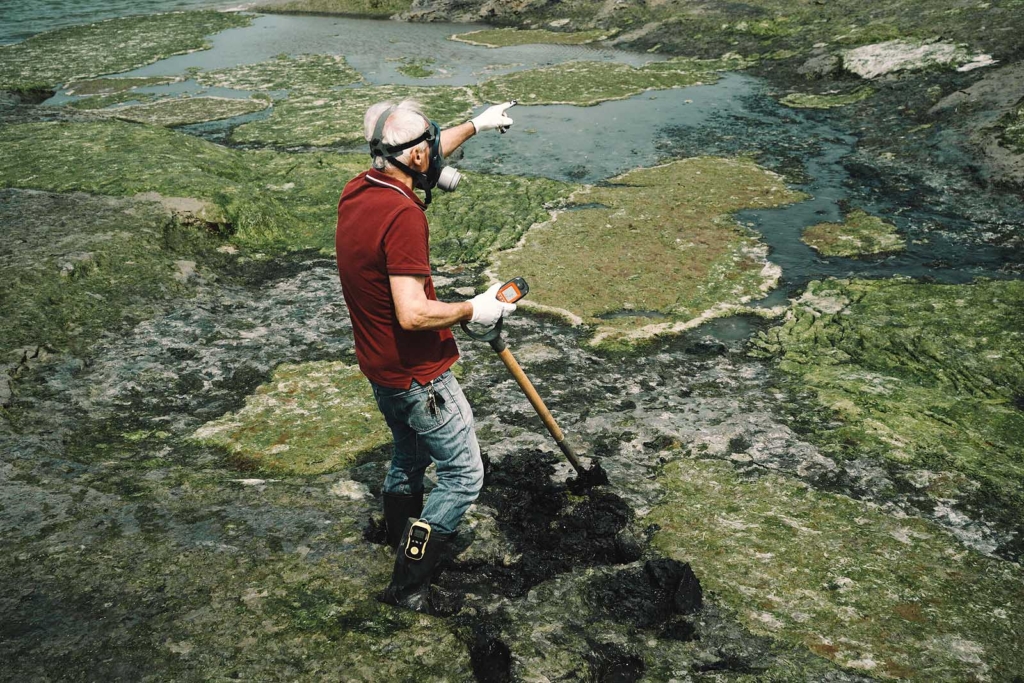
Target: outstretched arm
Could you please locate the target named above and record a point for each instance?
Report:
(452, 138)
(491, 118)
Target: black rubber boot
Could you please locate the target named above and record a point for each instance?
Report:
(410, 581)
(398, 508)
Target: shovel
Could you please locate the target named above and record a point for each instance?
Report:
(595, 475)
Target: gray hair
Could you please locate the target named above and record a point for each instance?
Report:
(407, 122)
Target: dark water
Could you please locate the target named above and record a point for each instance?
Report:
(20, 19)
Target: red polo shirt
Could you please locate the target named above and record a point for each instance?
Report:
(382, 231)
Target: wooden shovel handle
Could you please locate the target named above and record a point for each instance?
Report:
(542, 410)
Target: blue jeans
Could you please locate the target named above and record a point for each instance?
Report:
(433, 423)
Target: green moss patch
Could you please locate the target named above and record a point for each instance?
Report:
(589, 83)
(799, 100)
(416, 68)
(336, 117)
(894, 598)
(309, 419)
(1013, 130)
(109, 86)
(922, 375)
(370, 8)
(506, 37)
(294, 73)
(79, 52)
(861, 234)
(660, 243)
(180, 111)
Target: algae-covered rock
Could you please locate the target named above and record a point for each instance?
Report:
(506, 37)
(80, 52)
(75, 266)
(589, 83)
(416, 68)
(294, 73)
(109, 86)
(488, 212)
(180, 111)
(96, 102)
(921, 375)
(310, 418)
(826, 101)
(873, 61)
(274, 201)
(336, 117)
(653, 249)
(1013, 130)
(860, 234)
(370, 8)
(890, 597)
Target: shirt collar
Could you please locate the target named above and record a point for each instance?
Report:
(375, 177)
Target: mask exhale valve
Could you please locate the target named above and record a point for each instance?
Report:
(448, 179)
(437, 174)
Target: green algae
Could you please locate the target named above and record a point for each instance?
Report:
(921, 375)
(416, 68)
(245, 579)
(68, 281)
(1012, 134)
(590, 83)
(336, 118)
(489, 212)
(826, 101)
(308, 419)
(860, 234)
(94, 102)
(79, 52)
(104, 158)
(180, 111)
(890, 597)
(110, 86)
(507, 37)
(273, 201)
(295, 73)
(369, 8)
(660, 242)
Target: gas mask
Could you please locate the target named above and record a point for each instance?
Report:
(437, 174)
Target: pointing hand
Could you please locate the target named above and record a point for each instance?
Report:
(494, 117)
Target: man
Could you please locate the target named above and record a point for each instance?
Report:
(403, 342)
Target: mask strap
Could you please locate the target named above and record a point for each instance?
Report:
(378, 150)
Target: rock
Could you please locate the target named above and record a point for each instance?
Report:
(880, 59)
(77, 263)
(820, 66)
(186, 271)
(6, 389)
(187, 209)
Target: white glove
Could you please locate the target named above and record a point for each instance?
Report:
(493, 117)
(487, 309)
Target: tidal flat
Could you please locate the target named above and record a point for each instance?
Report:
(814, 459)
